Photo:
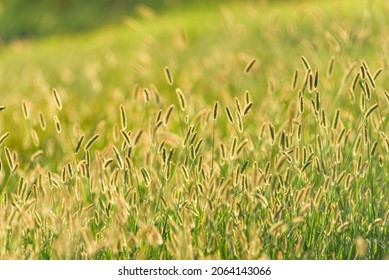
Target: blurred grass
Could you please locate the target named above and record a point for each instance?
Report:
(92, 67)
(117, 53)
(206, 48)
(38, 18)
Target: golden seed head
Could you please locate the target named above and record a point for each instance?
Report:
(249, 66)
(305, 62)
(229, 115)
(90, 142)
(168, 76)
(215, 110)
(57, 99)
(181, 99)
(57, 124)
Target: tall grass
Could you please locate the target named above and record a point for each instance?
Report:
(230, 160)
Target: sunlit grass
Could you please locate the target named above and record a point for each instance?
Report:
(112, 146)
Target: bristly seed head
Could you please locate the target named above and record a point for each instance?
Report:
(373, 148)
(316, 81)
(323, 118)
(355, 81)
(249, 66)
(233, 147)
(305, 62)
(57, 99)
(215, 110)
(123, 117)
(10, 160)
(362, 72)
(295, 77)
(146, 94)
(247, 96)
(229, 115)
(330, 67)
(240, 121)
(336, 119)
(181, 98)
(3, 137)
(168, 114)
(310, 82)
(25, 110)
(301, 105)
(365, 134)
(238, 107)
(299, 132)
(90, 142)
(118, 157)
(146, 176)
(42, 121)
(371, 110)
(79, 142)
(57, 124)
(247, 108)
(126, 137)
(272, 133)
(168, 76)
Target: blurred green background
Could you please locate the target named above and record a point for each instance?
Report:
(37, 18)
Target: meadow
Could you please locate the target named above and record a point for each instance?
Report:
(234, 130)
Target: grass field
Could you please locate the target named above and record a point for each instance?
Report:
(238, 131)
